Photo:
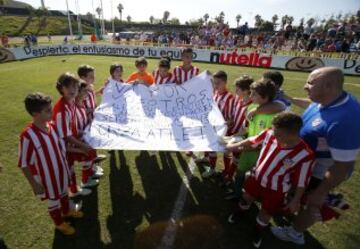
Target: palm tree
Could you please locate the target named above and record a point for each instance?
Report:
(290, 19)
(120, 8)
(206, 17)
(310, 22)
(99, 11)
(258, 21)
(151, 19)
(165, 16)
(222, 16)
(238, 18)
(302, 21)
(274, 19)
(284, 20)
(128, 18)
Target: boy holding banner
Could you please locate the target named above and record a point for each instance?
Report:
(162, 74)
(242, 101)
(225, 101)
(263, 92)
(141, 76)
(284, 165)
(64, 116)
(186, 71)
(87, 74)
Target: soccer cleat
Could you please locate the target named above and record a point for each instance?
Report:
(232, 218)
(74, 213)
(100, 158)
(288, 234)
(257, 242)
(98, 173)
(208, 173)
(75, 205)
(337, 200)
(97, 168)
(81, 191)
(66, 229)
(90, 183)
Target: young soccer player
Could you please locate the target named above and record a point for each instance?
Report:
(162, 74)
(241, 103)
(87, 74)
(278, 80)
(116, 71)
(141, 75)
(262, 94)
(42, 159)
(285, 163)
(225, 101)
(186, 71)
(64, 117)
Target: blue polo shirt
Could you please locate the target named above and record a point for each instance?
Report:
(333, 131)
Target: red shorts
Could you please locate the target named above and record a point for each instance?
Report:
(79, 157)
(271, 201)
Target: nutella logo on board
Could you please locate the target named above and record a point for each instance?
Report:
(253, 59)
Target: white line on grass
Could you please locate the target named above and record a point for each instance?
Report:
(168, 238)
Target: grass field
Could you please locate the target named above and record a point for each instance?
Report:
(138, 188)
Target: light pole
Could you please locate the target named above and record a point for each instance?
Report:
(69, 19)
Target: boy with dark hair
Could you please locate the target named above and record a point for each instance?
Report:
(116, 70)
(162, 74)
(262, 94)
(42, 159)
(87, 74)
(225, 101)
(141, 75)
(64, 117)
(186, 71)
(278, 79)
(241, 103)
(285, 163)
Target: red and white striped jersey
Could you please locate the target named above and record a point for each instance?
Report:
(44, 154)
(239, 115)
(225, 102)
(90, 103)
(181, 75)
(279, 169)
(64, 118)
(81, 119)
(163, 80)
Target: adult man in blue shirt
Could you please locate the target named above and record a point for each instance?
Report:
(331, 128)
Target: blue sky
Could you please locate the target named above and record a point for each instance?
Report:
(193, 9)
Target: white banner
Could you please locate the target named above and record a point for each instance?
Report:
(297, 63)
(166, 117)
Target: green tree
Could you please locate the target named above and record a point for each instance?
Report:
(206, 17)
(120, 8)
(151, 19)
(238, 18)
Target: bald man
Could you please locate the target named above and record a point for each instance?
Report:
(331, 128)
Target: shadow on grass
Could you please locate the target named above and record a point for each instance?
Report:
(127, 207)
(87, 228)
(161, 182)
